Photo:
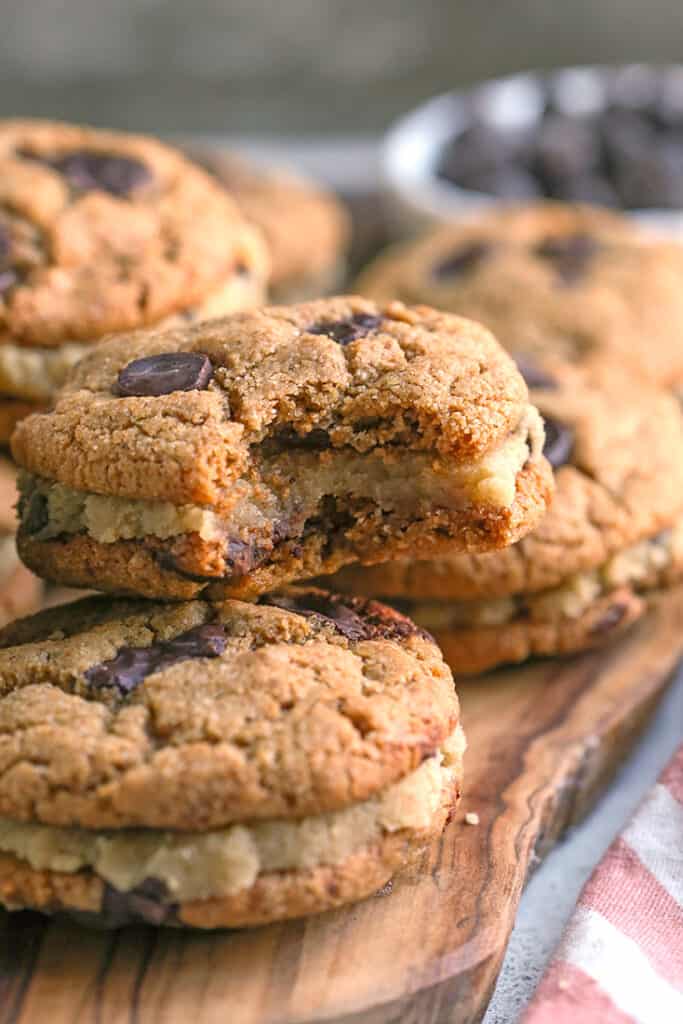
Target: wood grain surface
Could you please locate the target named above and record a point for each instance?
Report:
(543, 739)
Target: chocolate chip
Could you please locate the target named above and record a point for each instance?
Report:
(559, 441)
(346, 331)
(8, 275)
(34, 513)
(8, 280)
(535, 377)
(149, 901)
(165, 373)
(570, 255)
(5, 245)
(87, 170)
(132, 665)
(614, 615)
(242, 556)
(353, 617)
(315, 440)
(463, 260)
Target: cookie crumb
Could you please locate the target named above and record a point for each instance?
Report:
(471, 818)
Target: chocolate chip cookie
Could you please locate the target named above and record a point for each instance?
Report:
(103, 232)
(20, 591)
(216, 764)
(551, 280)
(614, 532)
(235, 455)
(305, 226)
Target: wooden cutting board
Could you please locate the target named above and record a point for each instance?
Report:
(544, 740)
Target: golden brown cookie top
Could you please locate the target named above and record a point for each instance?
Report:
(102, 231)
(180, 415)
(195, 715)
(615, 446)
(550, 280)
(305, 226)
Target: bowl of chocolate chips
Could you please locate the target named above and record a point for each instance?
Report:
(611, 136)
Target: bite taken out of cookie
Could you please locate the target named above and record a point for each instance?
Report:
(613, 536)
(229, 457)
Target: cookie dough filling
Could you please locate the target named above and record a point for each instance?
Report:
(224, 861)
(639, 567)
(51, 509)
(35, 373)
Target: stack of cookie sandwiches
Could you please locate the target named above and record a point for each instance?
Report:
(201, 759)
(592, 309)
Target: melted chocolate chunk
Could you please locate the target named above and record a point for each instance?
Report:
(535, 377)
(162, 374)
(149, 901)
(133, 664)
(315, 440)
(570, 255)
(34, 513)
(559, 441)
(463, 260)
(5, 245)
(8, 275)
(87, 170)
(346, 331)
(353, 617)
(8, 280)
(610, 620)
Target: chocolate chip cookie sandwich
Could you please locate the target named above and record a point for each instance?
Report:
(219, 764)
(234, 455)
(20, 591)
(305, 226)
(613, 535)
(103, 232)
(570, 282)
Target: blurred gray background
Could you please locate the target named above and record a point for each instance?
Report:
(296, 67)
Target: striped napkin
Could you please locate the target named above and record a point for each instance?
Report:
(621, 958)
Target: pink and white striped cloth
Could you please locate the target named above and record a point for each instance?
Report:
(621, 958)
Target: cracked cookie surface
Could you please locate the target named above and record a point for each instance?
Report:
(219, 763)
(238, 454)
(103, 232)
(613, 533)
(305, 226)
(557, 281)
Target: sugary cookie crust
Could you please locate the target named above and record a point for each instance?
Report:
(94, 262)
(303, 713)
(624, 301)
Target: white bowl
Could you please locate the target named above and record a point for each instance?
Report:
(413, 145)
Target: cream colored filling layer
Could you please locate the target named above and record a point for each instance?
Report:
(211, 864)
(35, 373)
(638, 566)
(490, 481)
